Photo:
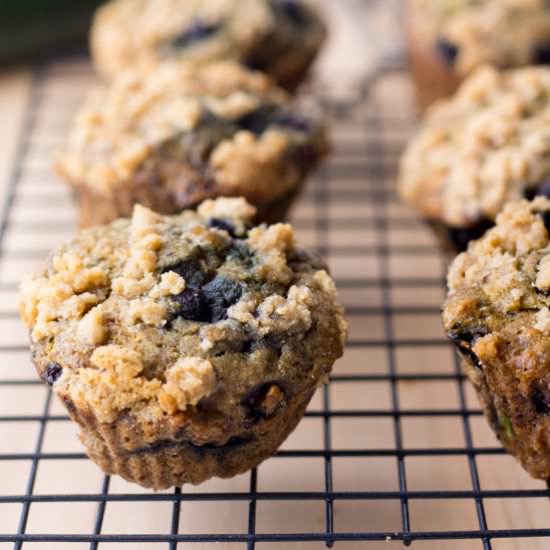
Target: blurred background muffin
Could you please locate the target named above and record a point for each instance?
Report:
(448, 39)
(278, 37)
(485, 147)
(184, 133)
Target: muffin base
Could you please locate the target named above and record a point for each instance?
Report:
(122, 448)
(523, 430)
(95, 209)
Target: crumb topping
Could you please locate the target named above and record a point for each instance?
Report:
(187, 382)
(154, 313)
(506, 272)
(487, 146)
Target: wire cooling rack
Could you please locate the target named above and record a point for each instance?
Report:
(393, 451)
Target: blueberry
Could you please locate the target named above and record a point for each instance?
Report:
(220, 294)
(541, 55)
(53, 372)
(293, 122)
(190, 270)
(192, 306)
(469, 354)
(294, 11)
(271, 341)
(197, 32)
(461, 236)
(248, 346)
(546, 219)
(208, 304)
(225, 225)
(274, 342)
(543, 189)
(258, 120)
(447, 50)
(540, 401)
(240, 252)
(464, 339)
(262, 401)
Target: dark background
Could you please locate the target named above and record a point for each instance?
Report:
(37, 28)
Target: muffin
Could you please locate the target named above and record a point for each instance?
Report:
(448, 39)
(498, 315)
(185, 347)
(181, 135)
(488, 145)
(278, 37)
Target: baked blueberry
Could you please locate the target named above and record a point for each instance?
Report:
(220, 294)
(197, 32)
(223, 225)
(542, 189)
(447, 50)
(53, 372)
(542, 55)
(191, 270)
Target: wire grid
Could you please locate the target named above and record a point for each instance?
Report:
(393, 450)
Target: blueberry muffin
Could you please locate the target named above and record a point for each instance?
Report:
(185, 347)
(181, 135)
(278, 37)
(448, 39)
(498, 315)
(488, 145)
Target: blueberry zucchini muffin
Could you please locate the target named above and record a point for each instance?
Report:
(448, 39)
(181, 135)
(488, 145)
(498, 315)
(278, 37)
(185, 347)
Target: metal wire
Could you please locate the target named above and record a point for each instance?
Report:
(378, 158)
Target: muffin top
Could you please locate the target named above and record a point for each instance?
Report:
(486, 146)
(254, 32)
(505, 33)
(224, 125)
(187, 317)
(499, 292)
